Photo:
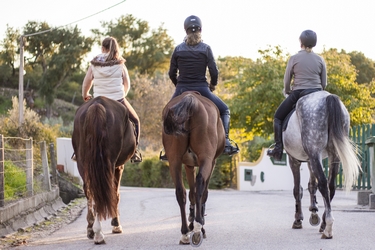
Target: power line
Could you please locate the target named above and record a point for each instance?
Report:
(45, 31)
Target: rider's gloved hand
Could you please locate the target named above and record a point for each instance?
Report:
(212, 87)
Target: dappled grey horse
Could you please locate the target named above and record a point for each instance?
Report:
(318, 129)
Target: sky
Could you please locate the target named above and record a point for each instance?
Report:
(231, 28)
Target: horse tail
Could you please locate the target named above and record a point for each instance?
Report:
(100, 171)
(345, 147)
(176, 116)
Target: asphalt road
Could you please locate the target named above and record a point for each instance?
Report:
(235, 220)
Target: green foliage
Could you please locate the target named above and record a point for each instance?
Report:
(342, 82)
(257, 92)
(154, 173)
(32, 126)
(223, 173)
(14, 180)
(145, 51)
(254, 148)
(148, 97)
(365, 67)
(8, 72)
(5, 103)
(149, 173)
(59, 53)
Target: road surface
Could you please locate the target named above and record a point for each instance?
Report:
(235, 220)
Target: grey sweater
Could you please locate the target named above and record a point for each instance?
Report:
(307, 70)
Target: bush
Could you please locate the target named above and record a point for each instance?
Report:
(14, 180)
(150, 173)
(154, 173)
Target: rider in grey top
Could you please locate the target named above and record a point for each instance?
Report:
(305, 73)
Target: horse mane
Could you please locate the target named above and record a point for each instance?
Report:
(176, 116)
(99, 174)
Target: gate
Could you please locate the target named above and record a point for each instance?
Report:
(358, 134)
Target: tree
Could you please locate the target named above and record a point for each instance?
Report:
(145, 51)
(342, 82)
(365, 67)
(8, 54)
(256, 91)
(58, 53)
(148, 97)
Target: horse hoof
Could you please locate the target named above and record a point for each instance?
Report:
(117, 230)
(99, 242)
(297, 225)
(314, 219)
(196, 239)
(326, 237)
(322, 228)
(90, 234)
(184, 239)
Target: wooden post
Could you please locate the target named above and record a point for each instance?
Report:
(53, 164)
(46, 179)
(29, 168)
(2, 183)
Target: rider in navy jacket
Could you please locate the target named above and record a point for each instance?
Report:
(188, 67)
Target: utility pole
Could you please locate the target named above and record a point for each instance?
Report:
(20, 83)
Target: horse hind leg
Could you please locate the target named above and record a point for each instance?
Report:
(98, 234)
(90, 219)
(116, 227)
(190, 176)
(297, 192)
(176, 174)
(328, 219)
(313, 187)
(115, 222)
(326, 228)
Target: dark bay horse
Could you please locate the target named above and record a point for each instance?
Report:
(319, 129)
(193, 135)
(103, 140)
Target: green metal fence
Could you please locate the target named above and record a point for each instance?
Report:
(359, 135)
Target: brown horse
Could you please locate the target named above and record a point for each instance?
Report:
(193, 135)
(103, 140)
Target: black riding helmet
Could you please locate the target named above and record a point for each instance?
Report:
(308, 38)
(193, 23)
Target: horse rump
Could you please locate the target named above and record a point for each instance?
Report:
(175, 117)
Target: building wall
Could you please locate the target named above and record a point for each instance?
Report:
(266, 174)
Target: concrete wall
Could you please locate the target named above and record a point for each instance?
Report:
(64, 151)
(266, 174)
(26, 212)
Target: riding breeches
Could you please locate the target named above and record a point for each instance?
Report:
(287, 105)
(206, 92)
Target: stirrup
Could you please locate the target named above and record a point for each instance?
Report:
(163, 157)
(137, 157)
(230, 149)
(74, 157)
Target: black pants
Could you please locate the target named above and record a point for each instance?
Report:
(288, 104)
(206, 92)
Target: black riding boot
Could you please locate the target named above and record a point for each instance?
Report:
(277, 151)
(229, 149)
